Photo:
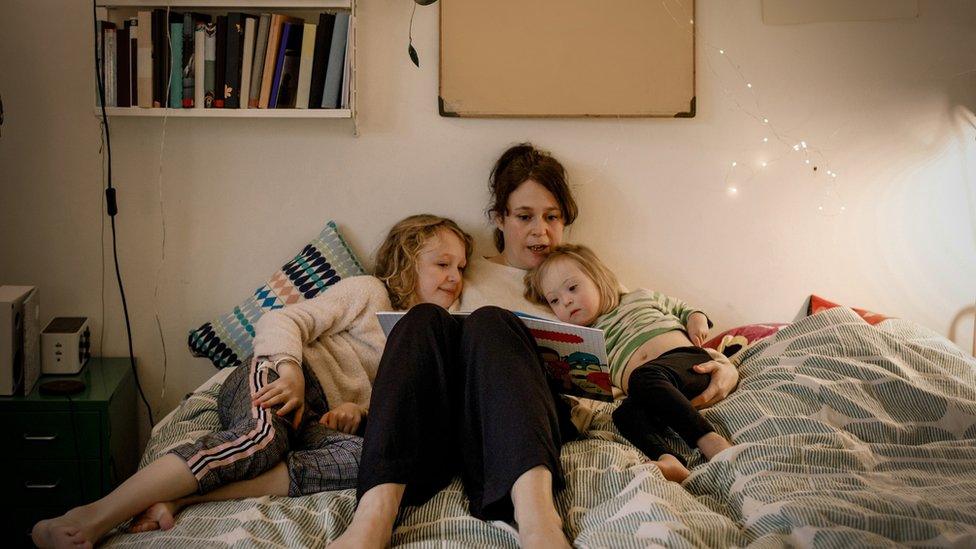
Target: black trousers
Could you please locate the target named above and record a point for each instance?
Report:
(657, 398)
(462, 396)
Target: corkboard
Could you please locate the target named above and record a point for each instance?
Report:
(567, 58)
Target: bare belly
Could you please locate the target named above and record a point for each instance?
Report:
(653, 348)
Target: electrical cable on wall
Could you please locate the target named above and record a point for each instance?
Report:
(162, 217)
(112, 207)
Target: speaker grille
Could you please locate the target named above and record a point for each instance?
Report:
(84, 346)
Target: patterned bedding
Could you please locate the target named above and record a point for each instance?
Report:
(845, 435)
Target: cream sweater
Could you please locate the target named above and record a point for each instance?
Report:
(336, 334)
(487, 283)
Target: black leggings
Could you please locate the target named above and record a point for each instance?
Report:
(657, 398)
(466, 396)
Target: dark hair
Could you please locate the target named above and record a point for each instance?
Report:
(516, 166)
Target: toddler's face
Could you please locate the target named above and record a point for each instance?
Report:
(571, 294)
(440, 264)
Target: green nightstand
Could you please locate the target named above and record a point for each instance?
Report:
(57, 452)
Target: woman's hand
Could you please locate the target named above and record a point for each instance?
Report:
(288, 390)
(725, 377)
(698, 328)
(345, 417)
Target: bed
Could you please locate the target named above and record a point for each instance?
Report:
(845, 434)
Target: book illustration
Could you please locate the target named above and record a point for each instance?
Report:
(575, 357)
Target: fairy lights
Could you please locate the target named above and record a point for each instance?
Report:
(813, 160)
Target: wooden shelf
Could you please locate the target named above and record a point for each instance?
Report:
(243, 4)
(225, 113)
(118, 10)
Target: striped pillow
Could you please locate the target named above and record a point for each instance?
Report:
(327, 259)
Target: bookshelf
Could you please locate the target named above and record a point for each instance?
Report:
(118, 11)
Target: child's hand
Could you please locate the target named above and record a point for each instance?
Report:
(345, 417)
(698, 328)
(288, 390)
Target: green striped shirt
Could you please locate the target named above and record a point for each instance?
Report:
(640, 316)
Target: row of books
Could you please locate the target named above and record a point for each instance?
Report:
(235, 61)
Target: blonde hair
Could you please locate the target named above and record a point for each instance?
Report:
(396, 259)
(601, 275)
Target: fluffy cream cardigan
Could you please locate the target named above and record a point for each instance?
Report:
(336, 334)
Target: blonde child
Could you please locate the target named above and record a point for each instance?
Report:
(314, 361)
(653, 344)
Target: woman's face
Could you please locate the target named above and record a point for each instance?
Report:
(440, 264)
(532, 227)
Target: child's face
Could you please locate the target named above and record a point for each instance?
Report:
(439, 267)
(571, 294)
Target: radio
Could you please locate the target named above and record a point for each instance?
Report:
(65, 345)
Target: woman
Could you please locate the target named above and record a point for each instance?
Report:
(473, 392)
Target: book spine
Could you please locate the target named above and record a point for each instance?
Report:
(247, 59)
(257, 70)
(99, 61)
(220, 67)
(189, 74)
(144, 82)
(235, 51)
(323, 40)
(160, 53)
(133, 27)
(210, 64)
(175, 95)
(109, 56)
(337, 52)
(199, 64)
(346, 71)
(279, 64)
(270, 56)
(123, 97)
(289, 67)
(305, 66)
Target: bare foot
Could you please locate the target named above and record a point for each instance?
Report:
(543, 537)
(364, 533)
(671, 468)
(70, 530)
(159, 516)
(712, 443)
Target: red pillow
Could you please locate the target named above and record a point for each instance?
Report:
(819, 304)
(732, 341)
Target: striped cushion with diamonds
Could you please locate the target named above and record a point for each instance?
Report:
(327, 259)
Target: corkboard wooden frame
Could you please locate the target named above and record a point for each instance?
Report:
(567, 58)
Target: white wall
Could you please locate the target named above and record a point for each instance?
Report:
(887, 104)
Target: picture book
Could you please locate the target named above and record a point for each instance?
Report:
(574, 356)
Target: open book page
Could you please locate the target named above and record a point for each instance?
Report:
(575, 356)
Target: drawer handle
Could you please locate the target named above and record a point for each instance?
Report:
(42, 438)
(38, 486)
